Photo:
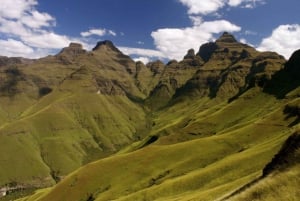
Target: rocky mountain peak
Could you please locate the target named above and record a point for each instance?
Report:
(226, 46)
(73, 49)
(106, 45)
(156, 66)
(206, 50)
(75, 46)
(293, 64)
(190, 54)
(226, 38)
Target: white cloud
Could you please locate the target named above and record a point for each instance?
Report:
(145, 60)
(25, 30)
(15, 9)
(37, 20)
(253, 3)
(15, 28)
(196, 20)
(249, 32)
(110, 32)
(98, 32)
(14, 48)
(245, 3)
(285, 39)
(46, 40)
(234, 2)
(143, 55)
(141, 52)
(203, 6)
(174, 43)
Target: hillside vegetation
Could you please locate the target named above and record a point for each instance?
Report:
(107, 128)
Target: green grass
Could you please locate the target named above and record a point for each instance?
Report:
(65, 129)
(281, 186)
(195, 148)
(176, 167)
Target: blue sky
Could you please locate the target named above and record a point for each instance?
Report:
(146, 29)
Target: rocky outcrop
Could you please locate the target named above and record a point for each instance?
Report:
(288, 155)
(190, 54)
(68, 54)
(230, 68)
(106, 45)
(286, 79)
(293, 65)
(157, 67)
(169, 78)
(206, 50)
(191, 59)
(74, 49)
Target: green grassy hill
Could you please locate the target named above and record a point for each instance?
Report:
(199, 129)
(182, 166)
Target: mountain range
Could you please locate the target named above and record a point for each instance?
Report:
(221, 124)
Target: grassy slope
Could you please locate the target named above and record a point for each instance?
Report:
(65, 129)
(205, 167)
(282, 186)
(60, 138)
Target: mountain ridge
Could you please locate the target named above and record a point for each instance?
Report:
(102, 106)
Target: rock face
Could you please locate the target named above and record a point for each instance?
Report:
(190, 54)
(293, 64)
(105, 45)
(288, 155)
(74, 49)
(230, 68)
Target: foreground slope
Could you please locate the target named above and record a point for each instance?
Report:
(204, 144)
(201, 169)
(281, 176)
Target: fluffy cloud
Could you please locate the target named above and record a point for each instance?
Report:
(234, 2)
(14, 48)
(98, 32)
(173, 43)
(203, 6)
(141, 52)
(245, 3)
(143, 55)
(285, 39)
(15, 9)
(145, 60)
(36, 20)
(25, 30)
(47, 40)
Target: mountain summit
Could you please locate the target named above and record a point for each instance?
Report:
(230, 67)
(105, 45)
(226, 38)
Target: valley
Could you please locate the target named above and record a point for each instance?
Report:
(95, 125)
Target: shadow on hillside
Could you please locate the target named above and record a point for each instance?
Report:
(281, 84)
(287, 79)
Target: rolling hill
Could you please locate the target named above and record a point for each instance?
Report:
(104, 127)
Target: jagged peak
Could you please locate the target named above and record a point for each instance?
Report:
(226, 38)
(206, 50)
(190, 54)
(73, 49)
(293, 64)
(106, 44)
(75, 45)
